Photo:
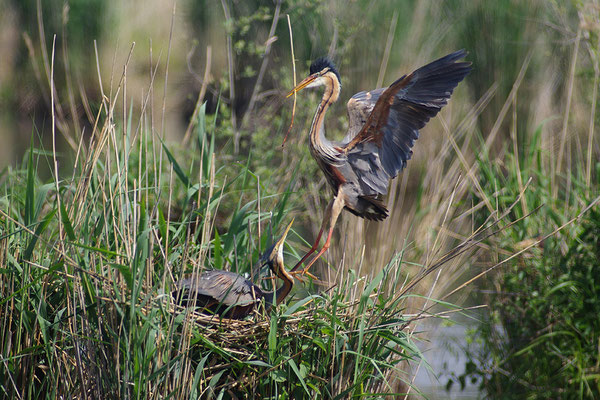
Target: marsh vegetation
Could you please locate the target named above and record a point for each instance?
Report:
(142, 140)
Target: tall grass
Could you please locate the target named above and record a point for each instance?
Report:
(89, 267)
(89, 254)
(90, 257)
(538, 339)
(88, 311)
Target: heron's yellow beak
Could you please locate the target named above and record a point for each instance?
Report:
(282, 239)
(303, 84)
(277, 252)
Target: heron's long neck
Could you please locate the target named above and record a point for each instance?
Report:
(281, 293)
(319, 144)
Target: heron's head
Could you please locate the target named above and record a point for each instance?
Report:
(273, 257)
(322, 73)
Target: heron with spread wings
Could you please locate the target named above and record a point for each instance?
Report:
(383, 126)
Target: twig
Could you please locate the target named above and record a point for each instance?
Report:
(594, 58)
(563, 137)
(164, 104)
(471, 241)
(294, 74)
(236, 133)
(56, 178)
(388, 48)
(265, 62)
(534, 244)
(192, 123)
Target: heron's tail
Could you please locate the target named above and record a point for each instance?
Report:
(371, 208)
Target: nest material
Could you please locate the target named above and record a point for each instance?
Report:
(241, 338)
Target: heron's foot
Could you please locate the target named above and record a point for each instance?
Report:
(300, 275)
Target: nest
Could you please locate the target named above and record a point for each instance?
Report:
(239, 353)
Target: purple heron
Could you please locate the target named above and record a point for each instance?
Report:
(383, 126)
(231, 295)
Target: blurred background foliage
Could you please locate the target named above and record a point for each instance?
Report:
(528, 109)
(372, 43)
(245, 46)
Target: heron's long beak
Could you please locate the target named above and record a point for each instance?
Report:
(281, 240)
(277, 263)
(303, 84)
(276, 250)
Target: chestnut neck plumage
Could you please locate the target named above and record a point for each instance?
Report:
(281, 293)
(320, 146)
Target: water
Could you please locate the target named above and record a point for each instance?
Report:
(443, 353)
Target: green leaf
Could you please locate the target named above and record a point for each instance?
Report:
(178, 170)
(98, 249)
(29, 191)
(278, 375)
(238, 225)
(215, 379)
(162, 224)
(273, 339)
(40, 198)
(66, 222)
(258, 363)
(126, 272)
(298, 374)
(290, 311)
(218, 252)
(39, 230)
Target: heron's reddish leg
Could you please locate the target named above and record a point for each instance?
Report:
(332, 213)
(326, 217)
(319, 254)
(294, 271)
(312, 249)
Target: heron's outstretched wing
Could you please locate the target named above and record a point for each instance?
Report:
(380, 149)
(359, 108)
(224, 287)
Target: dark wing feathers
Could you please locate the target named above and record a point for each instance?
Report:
(395, 116)
(366, 164)
(223, 287)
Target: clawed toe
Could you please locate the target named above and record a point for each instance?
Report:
(300, 275)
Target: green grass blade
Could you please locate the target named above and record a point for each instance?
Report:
(176, 167)
(294, 367)
(29, 216)
(38, 232)
(64, 216)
